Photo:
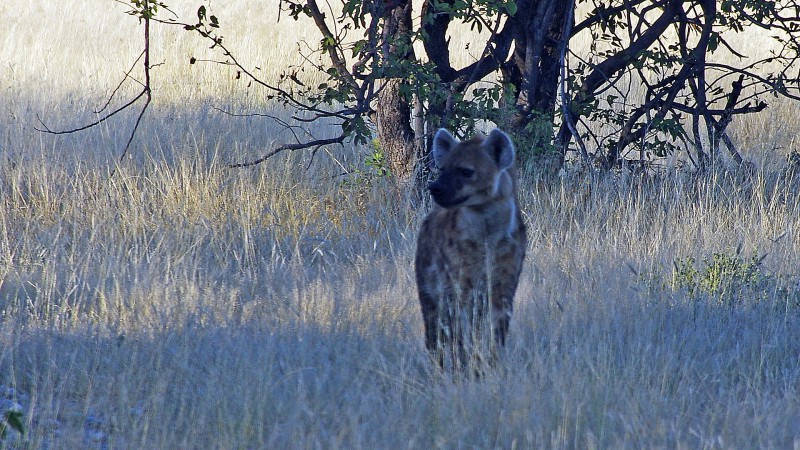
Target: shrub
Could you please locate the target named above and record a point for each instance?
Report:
(730, 280)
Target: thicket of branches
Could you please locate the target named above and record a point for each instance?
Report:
(657, 78)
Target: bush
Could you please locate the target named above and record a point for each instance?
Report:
(729, 280)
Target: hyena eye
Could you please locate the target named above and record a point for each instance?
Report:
(465, 172)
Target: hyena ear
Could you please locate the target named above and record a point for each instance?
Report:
(443, 142)
(500, 148)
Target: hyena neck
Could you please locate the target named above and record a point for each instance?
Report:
(493, 221)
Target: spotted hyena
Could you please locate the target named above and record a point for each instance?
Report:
(470, 248)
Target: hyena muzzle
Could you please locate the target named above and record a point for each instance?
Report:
(470, 249)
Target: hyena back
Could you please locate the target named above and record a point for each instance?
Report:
(470, 248)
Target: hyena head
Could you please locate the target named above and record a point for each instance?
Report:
(472, 172)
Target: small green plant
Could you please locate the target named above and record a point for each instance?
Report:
(11, 420)
(723, 278)
(376, 160)
(375, 167)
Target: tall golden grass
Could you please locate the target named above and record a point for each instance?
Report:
(181, 304)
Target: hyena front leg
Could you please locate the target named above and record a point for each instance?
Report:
(501, 318)
(505, 277)
(431, 317)
(442, 330)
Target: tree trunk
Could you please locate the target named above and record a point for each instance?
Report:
(534, 70)
(393, 121)
(393, 110)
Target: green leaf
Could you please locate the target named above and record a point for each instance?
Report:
(476, 24)
(14, 418)
(358, 46)
(511, 8)
(328, 42)
(11, 419)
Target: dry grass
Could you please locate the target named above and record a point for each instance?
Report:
(178, 304)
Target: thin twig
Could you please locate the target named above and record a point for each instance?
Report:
(146, 93)
(564, 100)
(119, 86)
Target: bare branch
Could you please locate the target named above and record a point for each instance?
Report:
(316, 144)
(144, 15)
(46, 129)
(568, 116)
(119, 86)
(602, 14)
(333, 51)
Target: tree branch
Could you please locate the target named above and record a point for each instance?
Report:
(602, 13)
(602, 72)
(299, 146)
(145, 14)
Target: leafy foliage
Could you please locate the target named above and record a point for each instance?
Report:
(375, 167)
(145, 9)
(730, 280)
(725, 279)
